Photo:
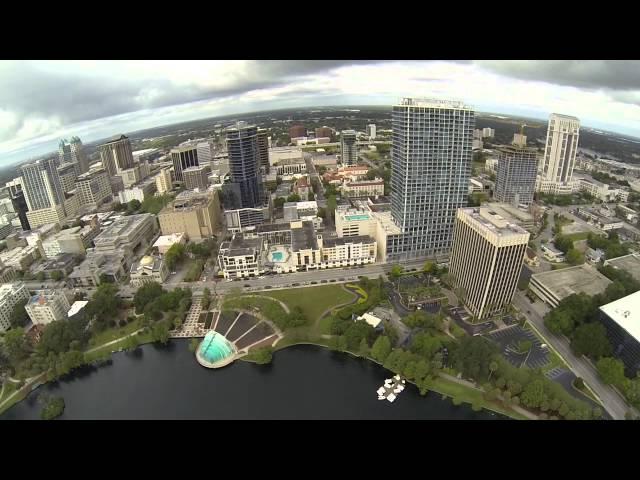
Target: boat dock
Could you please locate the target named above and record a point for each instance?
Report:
(391, 388)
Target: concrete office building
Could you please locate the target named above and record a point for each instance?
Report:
(68, 174)
(196, 177)
(486, 259)
(516, 175)
(297, 131)
(47, 306)
(559, 155)
(245, 188)
(555, 285)
(263, 149)
(206, 152)
(323, 132)
(43, 190)
(74, 240)
(135, 174)
(621, 319)
(139, 192)
(116, 155)
(431, 166)
(126, 234)
(196, 214)
(93, 188)
(183, 157)
(11, 294)
(371, 131)
(242, 218)
(163, 181)
(349, 147)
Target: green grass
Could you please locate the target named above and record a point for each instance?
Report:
(113, 333)
(577, 236)
(585, 391)
(324, 326)
(9, 388)
(313, 300)
(105, 352)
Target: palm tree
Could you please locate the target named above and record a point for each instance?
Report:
(493, 366)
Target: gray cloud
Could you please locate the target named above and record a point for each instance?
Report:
(593, 74)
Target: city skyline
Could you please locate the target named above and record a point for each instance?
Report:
(147, 94)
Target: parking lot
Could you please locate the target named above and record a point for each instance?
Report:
(508, 338)
(462, 318)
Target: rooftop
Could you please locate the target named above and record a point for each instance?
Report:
(167, 240)
(76, 307)
(188, 200)
(432, 103)
(122, 227)
(334, 242)
(626, 313)
(240, 246)
(492, 221)
(630, 263)
(567, 281)
(304, 238)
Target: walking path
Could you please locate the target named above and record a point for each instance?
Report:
(113, 341)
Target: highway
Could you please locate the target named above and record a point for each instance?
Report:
(612, 401)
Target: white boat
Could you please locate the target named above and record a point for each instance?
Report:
(391, 397)
(381, 397)
(381, 391)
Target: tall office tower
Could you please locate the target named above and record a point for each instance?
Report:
(245, 188)
(78, 155)
(296, 131)
(349, 147)
(431, 166)
(163, 181)
(184, 157)
(486, 260)
(559, 154)
(68, 174)
(205, 152)
(516, 175)
(116, 155)
(323, 132)
(43, 191)
(93, 188)
(371, 131)
(263, 149)
(20, 207)
(64, 151)
(14, 186)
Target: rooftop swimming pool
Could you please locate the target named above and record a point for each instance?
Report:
(277, 256)
(352, 218)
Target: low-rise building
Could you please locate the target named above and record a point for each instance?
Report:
(47, 306)
(530, 258)
(111, 266)
(346, 251)
(11, 294)
(20, 257)
(596, 218)
(241, 257)
(372, 320)
(297, 210)
(242, 218)
(351, 222)
(629, 263)
(165, 242)
(363, 188)
(127, 234)
(555, 285)
(138, 192)
(594, 256)
(196, 177)
(602, 191)
(73, 240)
(630, 215)
(551, 253)
(55, 214)
(195, 213)
(76, 307)
(621, 319)
(148, 269)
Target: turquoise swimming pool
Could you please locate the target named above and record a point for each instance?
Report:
(352, 218)
(277, 256)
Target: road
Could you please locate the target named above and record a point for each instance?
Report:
(612, 401)
(313, 173)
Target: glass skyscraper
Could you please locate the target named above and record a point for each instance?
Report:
(431, 166)
(244, 167)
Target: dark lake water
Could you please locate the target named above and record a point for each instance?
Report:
(302, 382)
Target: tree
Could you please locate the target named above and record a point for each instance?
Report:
(311, 197)
(429, 267)
(363, 348)
(40, 276)
(574, 257)
(396, 272)
(174, 254)
(134, 205)
(53, 408)
(160, 332)
(524, 346)
(57, 275)
(193, 345)
(591, 339)
(381, 348)
(16, 345)
(493, 366)
(611, 371)
(279, 202)
(294, 197)
(206, 298)
(533, 394)
(146, 294)
(19, 316)
(263, 355)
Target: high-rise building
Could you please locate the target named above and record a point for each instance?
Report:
(263, 149)
(116, 155)
(197, 177)
(205, 152)
(64, 152)
(516, 175)
(559, 154)
(246, 183)
(42, 184)
(296, 131)
(68, 174)
(371, 131)
(14, 186)
(349, 147)
(183, 157)
(323, 132)
(196, 214)
(20, 207)
(431, 166)
(11, 294)
(163, 181)
(47, 306)
(486, 260)
(93, 188)
(78, 155)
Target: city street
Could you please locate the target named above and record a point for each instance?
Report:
(612, 401)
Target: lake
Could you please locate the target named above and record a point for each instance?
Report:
(302, 382)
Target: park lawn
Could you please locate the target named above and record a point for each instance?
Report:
(324, 325)
(313, 300)
(106, 351)
(113, 333)
(577, 236)
(8, 389)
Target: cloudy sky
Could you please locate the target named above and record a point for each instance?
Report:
(43, 101)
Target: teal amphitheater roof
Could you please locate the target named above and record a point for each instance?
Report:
(215, 348)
